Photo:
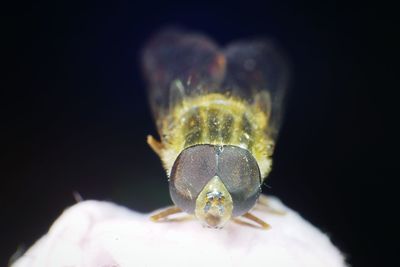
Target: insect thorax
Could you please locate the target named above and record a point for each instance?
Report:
(216, 119)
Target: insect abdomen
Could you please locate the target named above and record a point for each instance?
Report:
(203, 125)
(219, 120)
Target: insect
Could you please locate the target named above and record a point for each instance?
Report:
(218, 112)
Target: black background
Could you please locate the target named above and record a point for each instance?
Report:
(75, 116)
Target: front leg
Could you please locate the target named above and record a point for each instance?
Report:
(165, 213)
(257, 220)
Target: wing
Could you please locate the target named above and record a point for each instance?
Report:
(178, 64)
(257, 71)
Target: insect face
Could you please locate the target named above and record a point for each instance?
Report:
(214, 204)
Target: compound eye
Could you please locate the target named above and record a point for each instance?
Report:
(192, 170)
(239, 172)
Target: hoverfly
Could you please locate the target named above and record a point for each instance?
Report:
(217, 112)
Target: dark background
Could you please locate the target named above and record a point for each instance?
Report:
(75, 116)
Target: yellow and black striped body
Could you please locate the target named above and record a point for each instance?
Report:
(216, 119)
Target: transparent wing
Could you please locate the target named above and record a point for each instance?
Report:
(257, 71)
(178, 64)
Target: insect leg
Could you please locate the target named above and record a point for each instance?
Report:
(165, 213)
(155, 145)
(263, 203)
(257, 220)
